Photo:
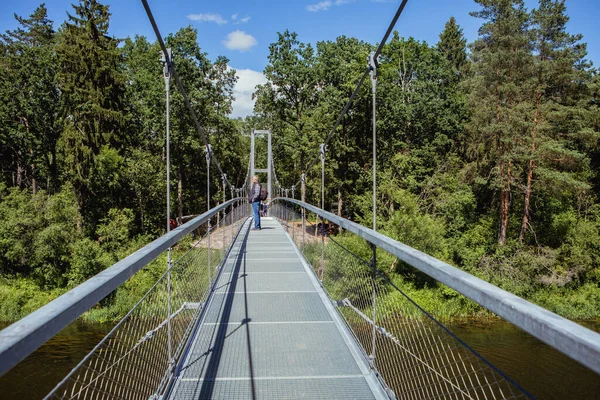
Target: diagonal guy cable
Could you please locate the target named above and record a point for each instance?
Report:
(180, 86)
(360, 82)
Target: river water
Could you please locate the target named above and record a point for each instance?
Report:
(543, 371)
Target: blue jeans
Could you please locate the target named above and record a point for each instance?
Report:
(256, 214)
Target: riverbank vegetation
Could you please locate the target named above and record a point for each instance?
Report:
(488, 152)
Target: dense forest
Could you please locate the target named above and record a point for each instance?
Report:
(488, 152)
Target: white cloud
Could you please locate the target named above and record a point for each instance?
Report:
(322, 6)
(243, 104)
(241, 20)
(234, 16)
(239, 40)
(325, 5)
(207, 18)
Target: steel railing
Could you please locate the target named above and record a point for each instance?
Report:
(414, 354)
(137, 358)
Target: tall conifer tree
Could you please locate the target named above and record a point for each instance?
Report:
(92, 86)
(498, 98)
(559, 78)
(453, 45)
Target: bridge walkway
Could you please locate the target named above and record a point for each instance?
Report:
(270, 332)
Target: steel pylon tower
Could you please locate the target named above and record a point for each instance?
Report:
(269, 169)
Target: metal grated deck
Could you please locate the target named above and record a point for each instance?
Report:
(270, 333)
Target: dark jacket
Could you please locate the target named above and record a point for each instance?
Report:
(254, 194)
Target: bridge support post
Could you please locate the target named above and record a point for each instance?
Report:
(269, 169)
(169, 346)
(269, 166)
(167, 60)
(293, 217)
(322, 208)
(286, 217)
(293, 221)
(231, 216)
(207, 150)
(372, 66)
(251, 154)
(222, 227)
(303, 198)
(374, 301)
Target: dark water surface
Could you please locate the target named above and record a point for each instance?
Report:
(538, 368)
(543, 371)
(39, 373)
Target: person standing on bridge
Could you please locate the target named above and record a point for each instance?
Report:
(254, 198)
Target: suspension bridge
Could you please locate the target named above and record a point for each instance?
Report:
(289, 311)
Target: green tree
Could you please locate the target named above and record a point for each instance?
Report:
(453, 46)
(30, 101)
(560, 78)
(498, 98)
(114, 231)
(53, 244)
(92, 86)
(145, 174)
(88, 260)
(145, 92)
(206, 84)
(421, 113)
(339, 66)
(290, 95)
(37, 232)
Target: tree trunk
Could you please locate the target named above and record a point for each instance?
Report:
(54, 170)
(504, 203)
(80, 207)
(19, 173)
(34, 183)
(218, 215)
(503, 177)
(141, 208)
(530, 169)
(179, 196)
(340, 202)
(527, 199)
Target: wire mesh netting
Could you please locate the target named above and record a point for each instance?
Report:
(414, 355)
(136, 359)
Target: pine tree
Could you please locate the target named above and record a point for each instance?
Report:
(560, 76)
(498, 95)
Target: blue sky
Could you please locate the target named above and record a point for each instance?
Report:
(243, 30)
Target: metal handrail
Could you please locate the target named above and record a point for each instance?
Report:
(23, 337)
(570, 338)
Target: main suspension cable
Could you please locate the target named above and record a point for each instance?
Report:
(180, 87)
(358, 86)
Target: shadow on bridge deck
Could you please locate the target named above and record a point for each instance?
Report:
(269, 331)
